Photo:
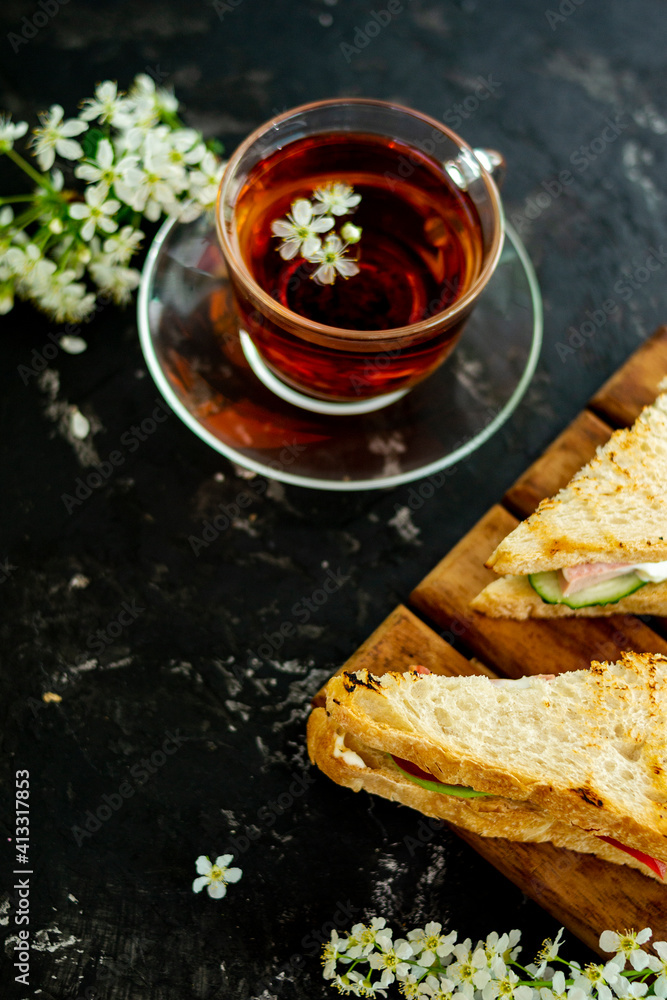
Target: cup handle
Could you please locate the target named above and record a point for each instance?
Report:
(493, 162)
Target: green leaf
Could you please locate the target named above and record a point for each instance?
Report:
(91, 140)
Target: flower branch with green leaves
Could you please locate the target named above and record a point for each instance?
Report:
(62, 244)
(301, 232)
(431, 965)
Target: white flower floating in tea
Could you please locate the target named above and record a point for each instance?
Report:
(215, 876)
(351, 233)
(332, 261)
(299, 232)
(335, 198)
(428, 965)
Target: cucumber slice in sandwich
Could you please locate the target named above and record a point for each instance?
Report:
(431, 783)
(547, 585)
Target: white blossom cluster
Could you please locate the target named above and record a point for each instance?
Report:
(61, 246)
(301, 231)
(430, 965)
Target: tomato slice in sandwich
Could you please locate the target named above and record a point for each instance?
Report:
(659, 867)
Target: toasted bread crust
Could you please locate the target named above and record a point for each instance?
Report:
(613, 510)
(492, 817)
(389, 712)
(513, 597)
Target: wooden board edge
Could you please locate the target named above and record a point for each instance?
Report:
(553, 469)
(635, 384)
(538, 870)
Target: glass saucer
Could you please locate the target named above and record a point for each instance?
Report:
(189, 337)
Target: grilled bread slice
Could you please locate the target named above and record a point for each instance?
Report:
(577, 757)
(614, 510)
(329, 748)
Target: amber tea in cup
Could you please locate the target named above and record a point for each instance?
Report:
(428, 245)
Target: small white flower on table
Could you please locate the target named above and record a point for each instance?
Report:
(362, 940)
(332, 949)
(56, 136)
(659, 966)
(215, 876)
(299, 231)
(428, 943)
(628, 944)
(597, 978)
(332, 260)
(336, 197)
(391, 958)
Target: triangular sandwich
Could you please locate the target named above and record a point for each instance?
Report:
(599, 547)
(579, 759)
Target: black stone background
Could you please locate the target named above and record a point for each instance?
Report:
(115, 917)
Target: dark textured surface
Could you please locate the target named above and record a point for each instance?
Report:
(115, 917)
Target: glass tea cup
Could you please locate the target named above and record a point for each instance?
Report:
(432, 231)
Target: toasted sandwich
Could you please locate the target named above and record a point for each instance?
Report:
(599, 547)
(579, 759)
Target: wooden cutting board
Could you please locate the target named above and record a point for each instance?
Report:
(585, 894)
